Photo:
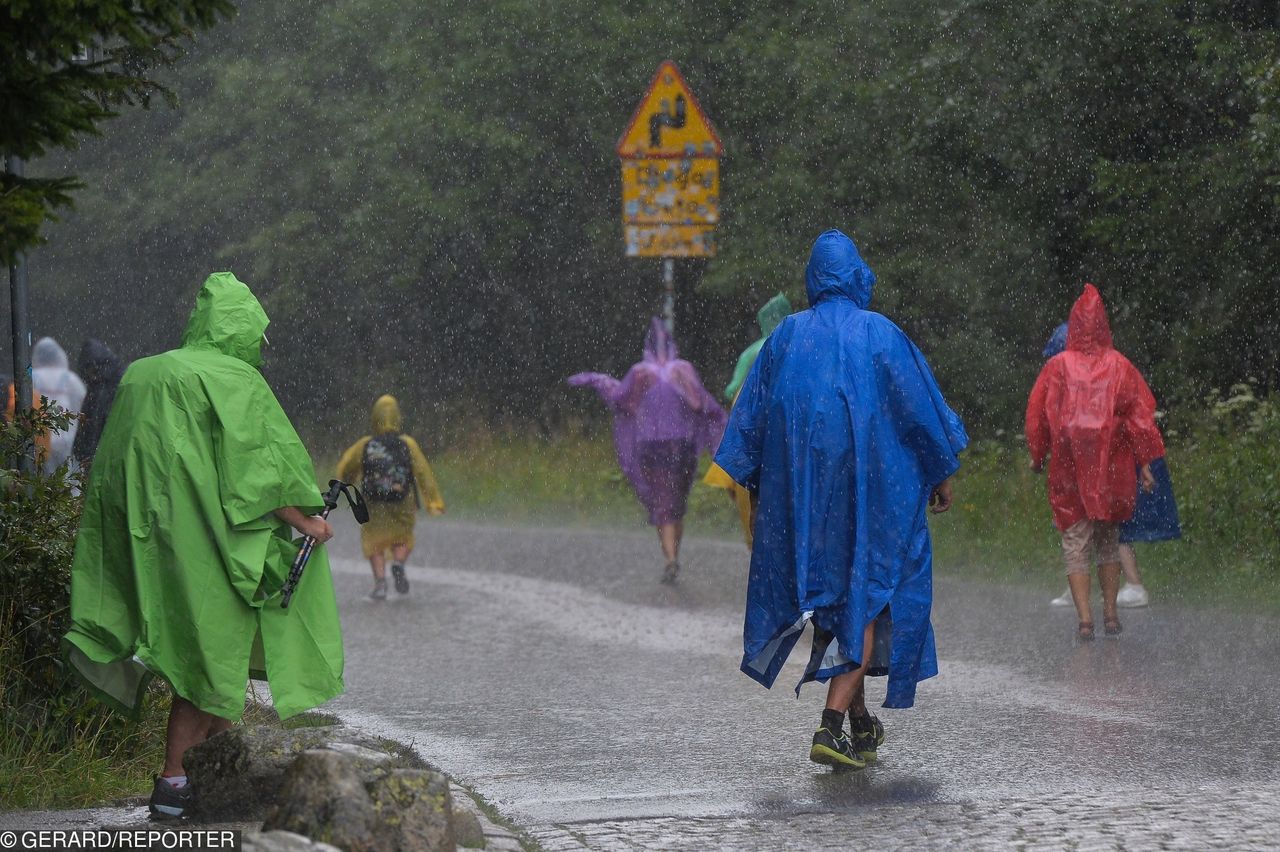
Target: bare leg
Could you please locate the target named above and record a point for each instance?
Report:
(845, 691)
(378, 562)
(400, 553)
(669, 536)
(1109, 579)
(1079, 584)
(188, 726)
(1129, 564)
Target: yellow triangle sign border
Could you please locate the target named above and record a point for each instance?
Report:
(667, 65)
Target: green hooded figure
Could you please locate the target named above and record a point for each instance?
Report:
(180, 557)
(770, 316)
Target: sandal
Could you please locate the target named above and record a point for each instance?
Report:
(1112, 626)
(1085, 631)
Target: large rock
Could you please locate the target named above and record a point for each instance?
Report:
(238, 774)
(339, 799)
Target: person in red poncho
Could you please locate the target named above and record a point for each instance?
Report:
(1093, 415)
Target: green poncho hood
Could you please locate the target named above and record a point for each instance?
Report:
(179, 559)
(227, 318)
(770, 317)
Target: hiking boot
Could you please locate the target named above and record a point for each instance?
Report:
(168, 801)
(1132, 596)
(867, 735)
(834, 749)
(670, 573)
(402, 582)
(379, 592)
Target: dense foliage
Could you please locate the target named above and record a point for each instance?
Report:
(426, 196)
(60, 746)
(38, 519)
(65, 68)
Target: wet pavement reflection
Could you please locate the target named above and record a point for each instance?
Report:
(549, 670)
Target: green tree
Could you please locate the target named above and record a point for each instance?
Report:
(66, 67)
(428, 193)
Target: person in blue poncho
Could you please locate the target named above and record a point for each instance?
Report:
(843, 437)
(1155, 515)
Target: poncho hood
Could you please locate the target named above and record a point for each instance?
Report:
(837, 271)
(47, 353)
(227, 318)
(1057, 342)
(773, 313)
(1087, 329)
(386, 415)
(98, 364)
(659, 346)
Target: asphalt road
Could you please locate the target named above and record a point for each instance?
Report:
(598, 709)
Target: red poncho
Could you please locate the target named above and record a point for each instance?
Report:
(1093, 414)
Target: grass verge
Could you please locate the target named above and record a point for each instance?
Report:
(1225, 465)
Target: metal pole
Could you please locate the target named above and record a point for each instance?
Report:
(21, 329)
(669, 294)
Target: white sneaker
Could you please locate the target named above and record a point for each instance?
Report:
(1132, 596)
(1064, 599)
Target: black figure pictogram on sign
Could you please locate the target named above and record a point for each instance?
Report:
(658, 120)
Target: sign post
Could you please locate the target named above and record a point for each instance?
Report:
(21, 329)
(670, 157)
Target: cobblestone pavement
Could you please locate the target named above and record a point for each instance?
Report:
(1147, 819)
(549, 671)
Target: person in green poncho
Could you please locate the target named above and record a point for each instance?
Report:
(186, 539)
(770, 316)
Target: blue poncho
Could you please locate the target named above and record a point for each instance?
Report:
(841, 430)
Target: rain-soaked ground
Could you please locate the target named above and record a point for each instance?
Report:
(549, 670)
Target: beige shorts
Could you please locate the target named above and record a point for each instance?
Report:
(1099, 536)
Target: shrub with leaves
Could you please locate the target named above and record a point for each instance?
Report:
(59, 745)
(39, 514)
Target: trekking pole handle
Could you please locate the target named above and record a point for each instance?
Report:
(358, 508)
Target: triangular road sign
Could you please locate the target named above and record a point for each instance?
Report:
(669, 122)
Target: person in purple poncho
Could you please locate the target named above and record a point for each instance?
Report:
(663, 418)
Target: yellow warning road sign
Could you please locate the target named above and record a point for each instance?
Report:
(670, 240)
(671, 192)
(670, 173)
(669, 123)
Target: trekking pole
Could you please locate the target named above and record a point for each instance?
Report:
(358, 508)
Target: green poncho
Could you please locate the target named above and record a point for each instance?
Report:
(774, 312)
(179, 559)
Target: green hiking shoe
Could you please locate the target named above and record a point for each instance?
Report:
(834, 749)
(867, 735)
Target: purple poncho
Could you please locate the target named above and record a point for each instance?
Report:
(660, 399)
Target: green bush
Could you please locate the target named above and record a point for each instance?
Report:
(38, 519)
(59, 745)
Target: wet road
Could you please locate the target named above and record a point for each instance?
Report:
(550, 671)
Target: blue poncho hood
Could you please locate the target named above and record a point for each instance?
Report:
(843, 433)
(837, 271)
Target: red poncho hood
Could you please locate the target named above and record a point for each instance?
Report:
(1087, 328)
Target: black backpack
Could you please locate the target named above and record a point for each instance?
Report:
(388, 469)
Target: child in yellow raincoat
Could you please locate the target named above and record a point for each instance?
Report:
(396, 479)
(770, 316)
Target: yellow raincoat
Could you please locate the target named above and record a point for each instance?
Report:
(717, 478)
(391, 523)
